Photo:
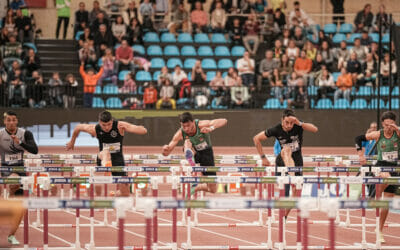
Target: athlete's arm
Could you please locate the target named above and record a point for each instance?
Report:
(257, 139)
(373, 136)
(29, 144)
(167, 149)
(359, 140)
(87, 128)
(305, 125)
(130, 128)
(207, 126)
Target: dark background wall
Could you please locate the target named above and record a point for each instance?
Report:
(336, 128)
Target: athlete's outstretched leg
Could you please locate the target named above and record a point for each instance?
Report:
(105, 158)
(383, 217)
(286, 154)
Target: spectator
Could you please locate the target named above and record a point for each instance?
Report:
(292, 51)
(385, 69)
(95, 11)
(35, 91)
(166, 93)
(240, 96)
(129, 86)
(279, 19)
(246, 6)
(100, 20)
(260, 6)
(369, 70)
(63, 14)
(89, 84)
(364, 19)
(118, 29)
(342, 55)
(130, 13)
(23, 24)
(124, 56)
(299, 38)
(354, 68)
(374, 51)
(142, 63)
(147, 12)
(338, 11)
(162, 9)
(318, 65)
(236, 33)
(178, 76)
(270, 30)
(31, 63)
(284, 70)
(360, 50)
(326, 84)
(108, 68)
(135, 32)
(55, 90)
(322, 37)
(17, 89)
(298, 13)
(266, 69)
(17, 4)
(150, 97)
(81, 18)
(11, 72)
(70, 90)
(201, 95)
(384, 17)
(245, 66)
(87, 55)
(251, 29)
(198, 76)
(286, 37)
(9, 22)
(217, 83)
(278, 51)
(303, 67)
(327, 55)
(344, 84)
(4, 36)
(163, 76)
(103, 39)
(232, 78)
(114, 5)
(12, 48)
(310, 49)
(86, 37)
(365, 39)
(199, 18)
(278, 4)
(179, 20)
(299, 96)
(218, 18)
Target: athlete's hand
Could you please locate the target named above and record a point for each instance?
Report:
(15, 139)
(294, 120)
(265, 162)
(362, 160)
(165, 150)
(206, 130)
(70, 145)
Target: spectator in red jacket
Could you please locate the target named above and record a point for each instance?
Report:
(124, 56)
(150, 97)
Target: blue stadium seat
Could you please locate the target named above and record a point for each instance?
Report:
(205, 51)
(185, 38)
(155, 75)
(384, 91)
(395, 91)
(208, 64)
(374, 37)
(151, 37)
(168, 38)
(116, 46)
(353, 36)
(272, 103)
(113, 103)
(346, 28)
(222, 51)
(211, 75)
(172, 62)
(78, 35)
(335, 76)
(215, 106)
(218, 38)
(97, 102)
(386, 38)
(30, 46)
(143, 76)
(100, 62)
(341, 104)
(312, 39)
(122, 74)
(188, 50)
(359, 103)
(157, 63)
(171, 50)
(373, 104)
(139, 48)
(97, 90)
(154, 50)
(189, 63)
(324, 103)
(225, 63)
(312, 90)
(110, 89)
(201, 38)
(364, 91)
(338, 37)
(330, 28)
(238, 51)
(395, 103)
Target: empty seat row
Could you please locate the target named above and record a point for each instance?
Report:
(112, 102)
(363, 91)
(189, 50)
(207, 63)
(153, 37)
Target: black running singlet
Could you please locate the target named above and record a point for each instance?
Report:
(112, 141)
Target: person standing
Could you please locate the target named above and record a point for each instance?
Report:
(63, 14)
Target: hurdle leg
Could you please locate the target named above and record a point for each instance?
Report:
(377, 219)
(348, 197)
(154, 185)
(26, 218)
(148, 217)
(91, 243)
(363, 228)
(105, 210)
(45, 222)
(174, 214)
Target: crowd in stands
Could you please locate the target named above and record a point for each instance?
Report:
(299, 54)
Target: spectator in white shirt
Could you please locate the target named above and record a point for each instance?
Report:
(178, 75)
(245, 67)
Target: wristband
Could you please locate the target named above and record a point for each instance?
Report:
(301, 123)
(263, 157)
(212, 128)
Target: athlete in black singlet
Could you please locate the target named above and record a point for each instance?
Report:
(110, 134)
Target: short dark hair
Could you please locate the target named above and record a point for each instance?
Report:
(105, 116)
(287, 113)
(9, 113)
(296, 3)
(186, 117)
(388, 115)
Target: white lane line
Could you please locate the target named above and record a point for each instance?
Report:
(55, 237)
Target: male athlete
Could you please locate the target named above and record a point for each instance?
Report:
(387, 139)
(110, 134)
(14, 142)
(289, 133)
(195, 134)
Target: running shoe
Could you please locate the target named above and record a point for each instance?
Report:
(381, 238)
(189, 156)
(192, 190)
(12, 240)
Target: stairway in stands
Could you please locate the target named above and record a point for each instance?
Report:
(60, 56)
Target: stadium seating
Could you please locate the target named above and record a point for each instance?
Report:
(201, 38)
(324, 103)
(143, 76)
(364, 91)
(172, 62)
(222, 51)
(139, 48)
(338, 37)
(330, 28)
(218, 38)
(188, 50)
(205, 50)
(157, 63)
(113, 103)
(110, 89)
(272, 103)
(225, 63)
(359, 103)
(171, 50)
(151, 37)
(238, 51)
(374, 104)
(189, 63)
(210, 75)
(154, 50)
(122, 74)
(208, 63)
(346, 28)
(341, 104)
(168, 38)
(97, 102)
(185, 38)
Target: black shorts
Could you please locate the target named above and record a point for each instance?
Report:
(205, 158)
(391, 188)
(298, 161)
(115, 162)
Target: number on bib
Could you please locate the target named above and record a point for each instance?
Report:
(390, 156)
(112, 147)
(201, 146)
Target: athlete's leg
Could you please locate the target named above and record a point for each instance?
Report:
(105, 159)
(17, 215)
(286, 154)
(11, 213)
(189, 152)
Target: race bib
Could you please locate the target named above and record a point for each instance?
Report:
(294, 146)
(390, 156)
(13, 158)
(112, 147)
(201, 146)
